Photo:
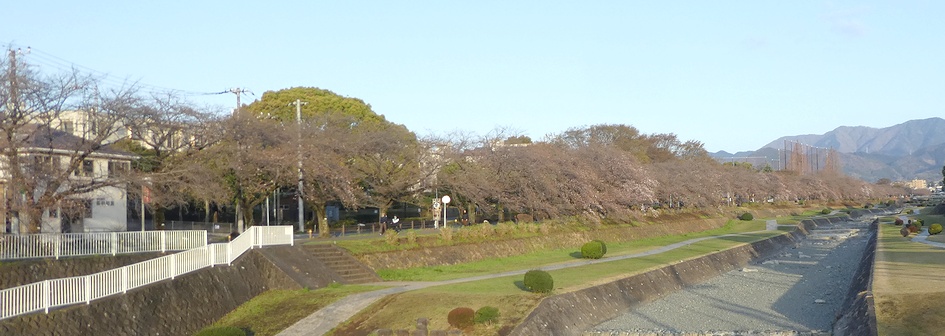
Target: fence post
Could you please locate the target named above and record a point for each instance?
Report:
(174, 265)
(203, 237)
(58, 245)
(124, 279)
(114, 243)
(46, 295)
(88, 289)
(212, 254)
(288, 231)
(163, 241)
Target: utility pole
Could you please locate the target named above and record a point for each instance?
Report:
(14, 111)
(298, 119)
(239, 212)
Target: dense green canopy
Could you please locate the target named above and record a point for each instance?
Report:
(280, 105)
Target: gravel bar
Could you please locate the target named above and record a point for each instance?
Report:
(797, 291)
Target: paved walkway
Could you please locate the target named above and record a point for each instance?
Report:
(923, 236)
(323, 320)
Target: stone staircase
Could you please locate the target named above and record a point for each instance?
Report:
(337, 260)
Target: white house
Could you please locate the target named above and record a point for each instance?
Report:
(101, 208)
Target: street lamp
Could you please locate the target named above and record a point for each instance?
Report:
(446, 202)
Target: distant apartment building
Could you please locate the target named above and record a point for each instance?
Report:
(917, 184)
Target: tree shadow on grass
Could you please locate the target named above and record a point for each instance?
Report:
(576, 255)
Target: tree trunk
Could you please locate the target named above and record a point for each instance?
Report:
(320, 219)
(471, 213)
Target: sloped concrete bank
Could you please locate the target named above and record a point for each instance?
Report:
(573, 313)
(859, 317)
(181, 306)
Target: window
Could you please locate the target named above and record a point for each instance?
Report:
(118, 168)
(67, 127)
(87, 169)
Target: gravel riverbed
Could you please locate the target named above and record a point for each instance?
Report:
(797, 291)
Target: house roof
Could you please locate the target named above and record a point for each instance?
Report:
(45, 138)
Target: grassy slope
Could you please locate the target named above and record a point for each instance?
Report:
(273, 311)
(908, 286)
(514, 303)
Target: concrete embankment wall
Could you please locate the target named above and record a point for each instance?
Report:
(181, 306)
(573, 313)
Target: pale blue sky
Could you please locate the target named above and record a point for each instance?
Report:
(732, 74)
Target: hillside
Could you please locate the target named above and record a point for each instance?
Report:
(910, 150)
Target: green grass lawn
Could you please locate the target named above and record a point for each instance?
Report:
(549, 257)
(273, 311)
(514, 303)
(908, 289)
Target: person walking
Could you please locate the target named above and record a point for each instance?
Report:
(384, 221)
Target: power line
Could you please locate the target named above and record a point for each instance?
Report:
(52, 61)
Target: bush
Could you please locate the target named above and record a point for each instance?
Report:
(539, 281)
(746, 216)
(592, 250)
(487, 314)
(602, 245)
(912, 228)
(904, 231)
(390, 236)
(898, 221)
(918, 222)
(825, 211)
(935, 228)
(411, 237)
(221, 331)
(446, 233)
(461, 318)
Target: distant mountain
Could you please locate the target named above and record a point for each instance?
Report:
(898, 140)
(910, 150)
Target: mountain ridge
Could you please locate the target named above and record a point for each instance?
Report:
(914, 149)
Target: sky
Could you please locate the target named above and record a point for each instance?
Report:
(734, 75)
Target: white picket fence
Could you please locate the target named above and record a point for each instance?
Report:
(42, 296)
(56, 245)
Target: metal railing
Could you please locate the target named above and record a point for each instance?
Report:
(56, 245)
(47, 294)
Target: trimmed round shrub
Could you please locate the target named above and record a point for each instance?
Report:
(912, 228)
(221, 331)
(898, 221)
(904, 231)
(487, 314)
(918, 222)
(825, 211)
(935, 228)
(539, 281)
(746, 216)
(461, 318)
(592, 250)
(602, 245)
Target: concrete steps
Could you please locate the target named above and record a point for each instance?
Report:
(349, 269)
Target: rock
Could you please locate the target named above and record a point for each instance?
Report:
(746, 269)
(820, 301)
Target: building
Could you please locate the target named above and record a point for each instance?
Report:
(92, 196)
